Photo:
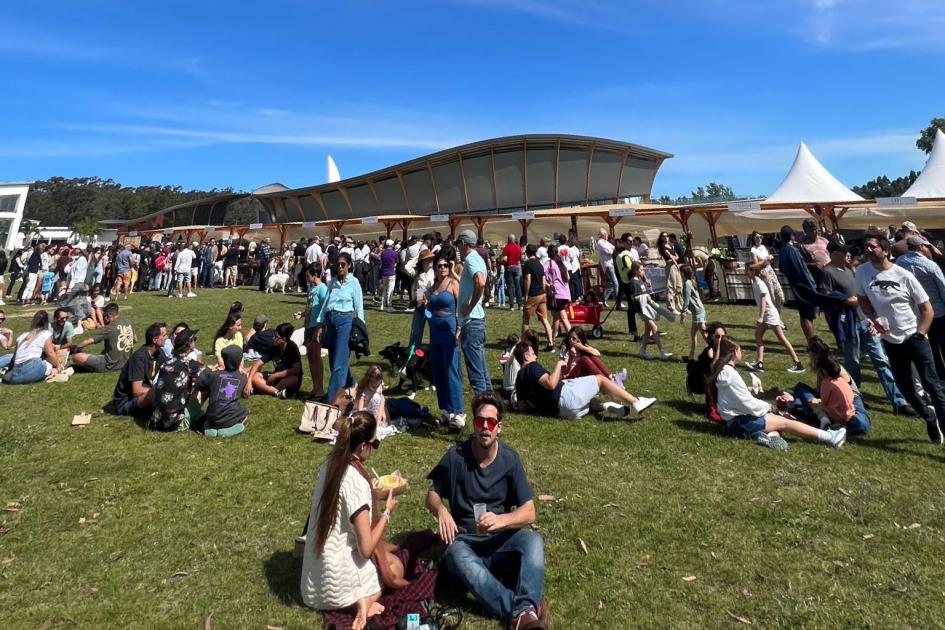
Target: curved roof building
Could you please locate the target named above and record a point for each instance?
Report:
(529, 172)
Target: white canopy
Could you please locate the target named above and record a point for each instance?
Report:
(931, 182)
(333, 174)
(809, 181)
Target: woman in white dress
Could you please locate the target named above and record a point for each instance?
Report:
(337, 571)
(761, 259)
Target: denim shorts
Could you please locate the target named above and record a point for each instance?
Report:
(746, 427)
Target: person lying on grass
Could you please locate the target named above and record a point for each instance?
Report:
(768, 319)
(486, 523)
(549, 394)
(751, 418)
(337, 571)
(836, 401)
(584, 360)
(286, 378)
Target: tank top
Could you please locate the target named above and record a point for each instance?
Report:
(442, 302)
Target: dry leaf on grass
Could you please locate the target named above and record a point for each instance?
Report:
(746, 592)
(546, 497)
(743, 620)
(600, 604)
(914, 526)
(845, 493)
(82, 521)
(180, 574)
(689, 578)
(583, 546)
(268, 627)
(208, 622)
(645, 562)
(867, 536)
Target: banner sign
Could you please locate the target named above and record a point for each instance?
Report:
(368, 220)
(744, 206)
(255, 226)
(622, 212)
(523, 216)
(308, 224)
(893, 202)
(132, 232)
(168, 231)
(440, 218)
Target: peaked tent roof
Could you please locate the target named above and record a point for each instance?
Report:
(809, 181)
(931, 181)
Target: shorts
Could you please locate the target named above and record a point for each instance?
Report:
(576, 396)
(698, 317)
(125, 277)
(290, 392)
(561, 305)
(535, 304)
(94, 363)
(310, 334)
(806, 310)
(181, 277)
(745, 427)
(129, 407)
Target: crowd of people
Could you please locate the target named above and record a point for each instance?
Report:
(888, 303)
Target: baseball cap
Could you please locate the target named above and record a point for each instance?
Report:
(184, 337)
(388, 243)
(837, 246)
(260, 320)
(909, 225)
(915, 242)
(468, 237)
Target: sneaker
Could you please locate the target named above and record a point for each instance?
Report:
(615, 410)
(191, 294)
(933, 428)
(526, 620)
(755, 366)
(549, 348)
(666, 356)
(839, 437)
(646, 356)
(643, 403)
(456, 422)
(797, 368)
(280, 393)
(2, 303)
(772, 441)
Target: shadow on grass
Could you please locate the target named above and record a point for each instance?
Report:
(283, 574)
(705, 427)
(898, 446)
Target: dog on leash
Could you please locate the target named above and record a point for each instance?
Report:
(410, 368)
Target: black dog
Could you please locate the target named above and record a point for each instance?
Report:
(418, 366)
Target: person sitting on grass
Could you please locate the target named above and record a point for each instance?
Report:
(62, 329)
(229, 334)
(836, 400)
(369, 395)
(35, 357)
(491, 506)
(584, 360)
(132, 396)
(550, 395)
(6, 340)
(194, 355)
(259, 339)
(692, 302)
(95, 318)
(337, 571)
(697, 372)
(751, 418)
(768, 319)
(225, 415)
(117, 337)
(286, 378)
(175, 405)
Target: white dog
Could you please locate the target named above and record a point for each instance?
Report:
(277, 279)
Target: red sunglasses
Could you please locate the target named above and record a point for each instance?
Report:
(488, 423)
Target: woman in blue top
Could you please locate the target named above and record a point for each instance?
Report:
(442, 304)
(343, 303)
(317, 292)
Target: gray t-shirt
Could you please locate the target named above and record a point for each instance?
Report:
(841, 280)
(119, 338)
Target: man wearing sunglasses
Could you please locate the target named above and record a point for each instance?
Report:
(486, 524)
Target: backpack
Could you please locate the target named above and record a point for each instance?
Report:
(160, 262)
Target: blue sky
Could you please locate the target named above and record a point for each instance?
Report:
(215, 94)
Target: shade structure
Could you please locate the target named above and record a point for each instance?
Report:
(931, 181)
(809, 182)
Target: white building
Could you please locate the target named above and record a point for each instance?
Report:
(12, 204)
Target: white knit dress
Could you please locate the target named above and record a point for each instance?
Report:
(339, 576)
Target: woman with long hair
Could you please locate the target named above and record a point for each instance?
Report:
(761, 260)
(692, 302)
(443, 304)
(337, 571)
(29, 365)
(316, 293)
(557, 276)
(583, 359)
(748, 417)
(229, 334)
(343, 303)
(674, 283)
(650, 312)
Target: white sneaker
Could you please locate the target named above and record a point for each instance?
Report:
(837, 438)
(191, 294)
(2, 303)
(666, 356)
(643, 403)
(456, 421)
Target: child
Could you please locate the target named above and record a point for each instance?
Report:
(836, 399)
(650, 313)
(393, 415)
(768, 319)
(225, 416)
(317, 294)
(748, 417)
(49, 279)
(510, 366)
(692, 301)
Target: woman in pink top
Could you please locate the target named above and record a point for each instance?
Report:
(557, 276)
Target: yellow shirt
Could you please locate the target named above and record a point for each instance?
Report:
(223, 342)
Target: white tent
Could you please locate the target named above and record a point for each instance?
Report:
(333, 174)
(809, 181)
(931, 182)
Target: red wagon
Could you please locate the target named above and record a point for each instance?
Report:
(590, 313)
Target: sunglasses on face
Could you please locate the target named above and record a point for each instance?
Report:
(443, 266)
(489, 424)
(342, 263)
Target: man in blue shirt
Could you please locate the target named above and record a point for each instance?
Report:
(263, 255)
(472, 285)
(491, 506)
(929, 275)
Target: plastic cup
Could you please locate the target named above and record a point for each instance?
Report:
(883, 322)
(479, 510)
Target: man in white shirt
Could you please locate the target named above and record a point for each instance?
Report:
(573, 264)
(605, 258)
(183, 263)
(313, 252)
(542, 252)
(899, 309)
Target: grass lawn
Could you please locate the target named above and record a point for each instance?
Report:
(114, 526)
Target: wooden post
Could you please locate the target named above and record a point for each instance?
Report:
(574, 229)
(525, 223)
(453, 223)
(404, 224)
(283, 230)
(612, 224)
(480, 226)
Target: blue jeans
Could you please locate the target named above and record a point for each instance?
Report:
(157, 280)
(31, 371)
(864, 342)
(859, 424)
(500, 289)
(480, 561)
(6, 360)
(473, 342)
(576, 282)
(417, 323)
(337, 337)
(206, 274)
(513, 283)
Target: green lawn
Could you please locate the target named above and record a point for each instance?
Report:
(177, 527)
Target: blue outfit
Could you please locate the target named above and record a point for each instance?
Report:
(929, 276)
(485, 564)
(443, 352)
(316, 301)
(343, 303)
(473, 335)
